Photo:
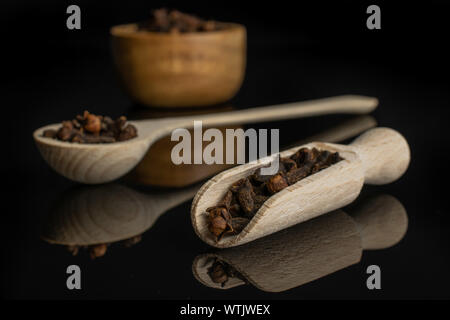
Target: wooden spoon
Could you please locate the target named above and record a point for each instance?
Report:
(379, 156)
(99, 163)
(313, 249)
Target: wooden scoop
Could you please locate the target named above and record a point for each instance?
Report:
(379, 156)
(100, 163)
(311, 250)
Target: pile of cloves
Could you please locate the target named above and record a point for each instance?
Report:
(90, 128)
(99, 250)
(244, 198)
(221, 272)
(174, 21)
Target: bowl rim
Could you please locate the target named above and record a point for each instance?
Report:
(129, 30)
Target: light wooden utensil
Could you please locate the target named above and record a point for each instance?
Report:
(108, 213)
(100, 163)
(311, 250)
(379, 156)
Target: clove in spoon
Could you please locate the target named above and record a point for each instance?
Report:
(100, 163)
(378, 156)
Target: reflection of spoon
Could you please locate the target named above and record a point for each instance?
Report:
(314, 249)
(89, 163)
(103, 214)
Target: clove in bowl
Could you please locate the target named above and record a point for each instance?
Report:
(178, 67)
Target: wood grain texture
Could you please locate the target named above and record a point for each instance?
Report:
(91, 215)
(384, 153)
(322, 192)
(102, 163)
(311, 250)
(178, 70)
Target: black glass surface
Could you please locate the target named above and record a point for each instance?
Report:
(294, 53)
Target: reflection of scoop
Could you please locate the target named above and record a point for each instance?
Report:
(311, 250)
(108, 213)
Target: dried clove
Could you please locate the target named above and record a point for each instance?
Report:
(174, 21)
(219, 221)
(246, 196)
(221, 272)
(218, 274)
(73, 249)
(90, 128)
(238, 224)
(277, 183)
(132, 241)
(298, 174)
(99, 250)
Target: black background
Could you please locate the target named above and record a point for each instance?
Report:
(296, 51)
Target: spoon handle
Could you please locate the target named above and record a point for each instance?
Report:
(340, 104)
(341, 132)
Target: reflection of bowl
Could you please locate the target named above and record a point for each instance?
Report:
(157, 168)
(176, 70)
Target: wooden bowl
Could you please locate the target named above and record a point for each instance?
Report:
(178, 70)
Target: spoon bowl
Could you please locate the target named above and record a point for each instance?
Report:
(91, 163)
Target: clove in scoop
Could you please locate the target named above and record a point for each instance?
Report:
(221, 272)
(246, 196)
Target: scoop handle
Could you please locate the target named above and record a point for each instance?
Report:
(350, 104)
(385, 155)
